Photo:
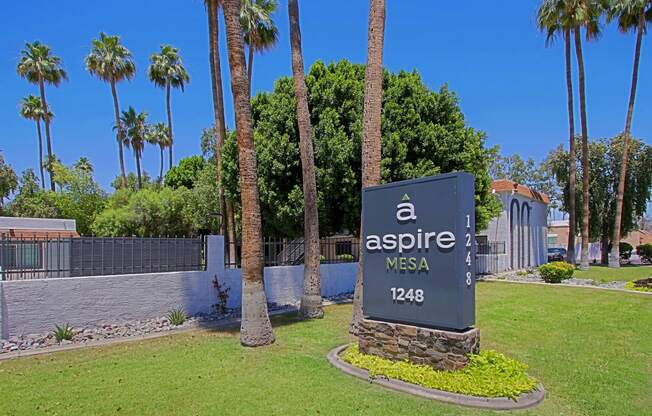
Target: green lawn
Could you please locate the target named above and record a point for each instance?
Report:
(592, 350)
(603, 274)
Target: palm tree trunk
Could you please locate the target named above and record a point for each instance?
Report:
(40, 152)
(371, 141)
(255, 327)
(311, 300)
(140, 181)
(218, 107)
(614, 259)
(570, 248)
(230, 230)
(116, 109)
(250, 66)
(48, 138)
(160, 174)
(169, 110)
(584, 263)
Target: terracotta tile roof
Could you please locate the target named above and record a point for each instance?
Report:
(37, 234)
(506, 185)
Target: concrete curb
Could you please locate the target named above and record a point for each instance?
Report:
(613, 289)
(524, 401)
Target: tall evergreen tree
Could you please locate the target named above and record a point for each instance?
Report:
(111, 62)
(632, 15)
(167, 71)
(39, 66)
(255, 327)
(371, 125)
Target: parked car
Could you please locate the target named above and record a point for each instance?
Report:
(556, 254)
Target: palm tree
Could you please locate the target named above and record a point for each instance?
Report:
(112, 62)
(40, 67)
(31, 108)
(227, 225)
(553, 19)
(255, 327)
(167, 71)
(631, 15)
(311, 300)
(260, 33)
(84, 165)
(158, 135)
(586, 15)
(371, 124)
(135, 127)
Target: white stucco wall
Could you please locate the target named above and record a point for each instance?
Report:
(499, 231)
(35, 306)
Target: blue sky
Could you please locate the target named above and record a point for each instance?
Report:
(510, 85)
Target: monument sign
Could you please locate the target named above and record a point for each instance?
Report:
(419, 261)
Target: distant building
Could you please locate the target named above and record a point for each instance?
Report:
(558, 237)
(30, 245)
(36, 228)
(517, 238)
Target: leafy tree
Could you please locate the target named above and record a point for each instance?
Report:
(605, 160)
(632, 15)
(40, 67)
(260, 32)
(167, 71)
(84, 165)
(147, 212)
(132, 182)
(8, 181)
(79, 197)
(185, 173)
(111, 62)
(423, 133)
(31, 108)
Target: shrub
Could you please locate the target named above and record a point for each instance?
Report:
(488, 374)
(63, 333)
(177, 316)
(556, 271)
(222, 297)
(645, 251)
(345, 257)
(625, 250)
(322, 259)
(641, 285)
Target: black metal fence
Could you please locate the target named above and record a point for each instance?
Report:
(41, 258)
(491, 247)
(291, 252)
(488, 257)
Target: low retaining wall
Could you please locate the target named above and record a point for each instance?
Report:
(35, 306)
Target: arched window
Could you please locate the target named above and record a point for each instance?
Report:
(514, 221)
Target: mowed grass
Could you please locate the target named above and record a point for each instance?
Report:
(592, 350)
(603, 274)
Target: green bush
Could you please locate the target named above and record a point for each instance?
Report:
(177, 316)
(488, 374)
(625, 250)
(63, 333)
(345, 257)
(645, 251)
(556, 271)
(641, 285)
(322, 259)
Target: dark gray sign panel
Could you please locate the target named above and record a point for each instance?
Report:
(419, 251)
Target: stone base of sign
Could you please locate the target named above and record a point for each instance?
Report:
(442, 350)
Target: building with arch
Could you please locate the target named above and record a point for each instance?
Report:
(517, 238)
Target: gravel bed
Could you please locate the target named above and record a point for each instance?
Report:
(134, 328)
(534, 277)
